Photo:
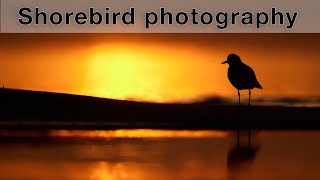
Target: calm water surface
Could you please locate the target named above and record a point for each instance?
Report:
(159, 155)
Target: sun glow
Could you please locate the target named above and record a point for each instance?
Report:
(119, 74)
(139, 72)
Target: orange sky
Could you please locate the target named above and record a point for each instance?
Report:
(158, 67)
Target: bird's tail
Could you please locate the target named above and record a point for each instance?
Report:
(259, 86)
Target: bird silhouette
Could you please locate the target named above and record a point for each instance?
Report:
(240, 75)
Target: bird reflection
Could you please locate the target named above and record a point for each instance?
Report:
(242, 154)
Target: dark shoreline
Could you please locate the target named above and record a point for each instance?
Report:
(22, 109)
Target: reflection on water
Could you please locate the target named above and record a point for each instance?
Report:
(53, 155)
(243, 152)
(139, 133)
(241, 155)
(120, 133)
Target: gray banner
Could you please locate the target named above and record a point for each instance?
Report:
(155, 16)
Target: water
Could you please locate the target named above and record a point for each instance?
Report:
(164, 155)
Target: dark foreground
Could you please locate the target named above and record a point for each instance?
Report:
(21, 109)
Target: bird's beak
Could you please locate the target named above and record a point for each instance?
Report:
(224, 62)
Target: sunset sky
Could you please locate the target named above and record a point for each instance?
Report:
(159, 67)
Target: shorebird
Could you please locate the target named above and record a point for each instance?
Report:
(240, 75)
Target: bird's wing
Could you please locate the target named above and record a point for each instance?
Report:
(250, 77)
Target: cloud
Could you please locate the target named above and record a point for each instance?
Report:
(266, 101)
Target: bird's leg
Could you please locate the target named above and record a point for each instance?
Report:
(249, 143)
(239, 96)
(249, 96)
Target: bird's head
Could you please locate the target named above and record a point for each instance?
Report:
(232, 59)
